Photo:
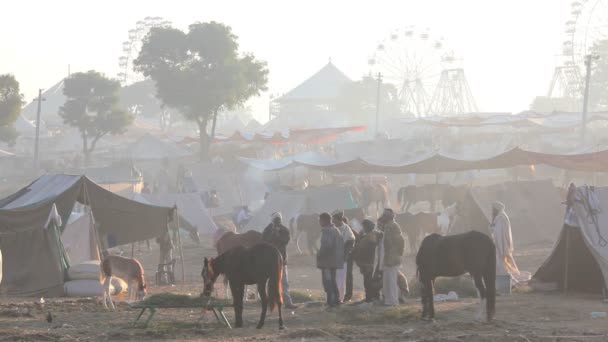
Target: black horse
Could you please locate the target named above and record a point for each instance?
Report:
(259, 265)
(452, 256)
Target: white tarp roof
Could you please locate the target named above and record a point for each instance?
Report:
(189, 206)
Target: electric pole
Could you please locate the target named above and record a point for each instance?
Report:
(37, 141)
(588, 60)
(378, 103)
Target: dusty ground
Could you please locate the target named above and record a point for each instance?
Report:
(520, 317)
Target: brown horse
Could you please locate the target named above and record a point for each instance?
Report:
(231, 240)
(415, 226)
(447, 194)
(261, 264)
(371, 194)
(309, 224)
(452, 256)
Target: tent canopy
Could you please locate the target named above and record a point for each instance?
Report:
(30, 224)
(437, 162)
(191, 209)
(579, 260)
(533, 208)
(309, 201)
(33, 258)
(120, 219)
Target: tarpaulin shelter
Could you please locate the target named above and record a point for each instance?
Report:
(533, 208)
(191, 210)
(78, 239)
(436, 162)
(34, 261)
(34, 258)
(308, 201)
(579, 260)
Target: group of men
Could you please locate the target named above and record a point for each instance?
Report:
(377, 249)
(377, 252)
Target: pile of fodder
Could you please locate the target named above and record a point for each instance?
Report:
(463, 286)
(304, 296)
(168, 299)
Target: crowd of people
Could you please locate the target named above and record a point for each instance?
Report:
(377, 249)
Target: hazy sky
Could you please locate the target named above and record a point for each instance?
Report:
(509, 47)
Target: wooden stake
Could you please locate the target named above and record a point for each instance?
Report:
(567, 261)
(179, 242)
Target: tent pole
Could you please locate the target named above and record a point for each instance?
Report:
(93, 224)
(567, 260)
(179, 242)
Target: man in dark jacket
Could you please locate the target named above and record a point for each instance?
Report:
(277, 235)
(330, 258)
(364, 255)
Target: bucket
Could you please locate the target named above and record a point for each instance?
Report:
(503, 284)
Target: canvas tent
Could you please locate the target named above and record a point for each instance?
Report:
(34, 257)
(533, 208)
(579, 260)
(308, 201)
(192, 211)
(78, 239)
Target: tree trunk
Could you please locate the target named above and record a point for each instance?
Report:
(85, 150)
(213, 126)
(203, 139)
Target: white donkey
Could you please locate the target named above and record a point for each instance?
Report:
(129, 270)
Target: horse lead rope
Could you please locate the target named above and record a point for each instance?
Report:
(591, 213)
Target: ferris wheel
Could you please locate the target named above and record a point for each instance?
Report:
(586, 27)
(132, 46)
(416, 63)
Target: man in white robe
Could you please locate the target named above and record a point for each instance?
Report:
(503, 239)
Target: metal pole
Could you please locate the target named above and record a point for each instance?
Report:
(588, 60)
(37, 141)
(378, 103)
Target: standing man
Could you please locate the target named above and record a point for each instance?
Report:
(364, 256)
(390, 252)
(278, 235)
(330, 258)
(349, 242)
(503, 239)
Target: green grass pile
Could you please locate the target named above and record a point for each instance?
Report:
(463, 286)
(168, 299)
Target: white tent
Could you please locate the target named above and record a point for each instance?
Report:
(579, 260)
(78, 239)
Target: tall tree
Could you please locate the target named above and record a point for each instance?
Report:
(598, 92)
(92, 106)
(10, 107)
(200, 72)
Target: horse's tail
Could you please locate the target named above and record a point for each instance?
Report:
(275, 284)
(490, 282)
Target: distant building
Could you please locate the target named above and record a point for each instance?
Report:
(313, 100)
